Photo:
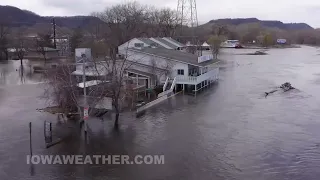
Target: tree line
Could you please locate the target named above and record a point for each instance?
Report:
(261, 35)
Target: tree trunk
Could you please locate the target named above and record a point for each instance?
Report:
(7, 55)
(21, 62)
(116, 121)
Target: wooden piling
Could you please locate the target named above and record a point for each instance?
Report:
(30, 135)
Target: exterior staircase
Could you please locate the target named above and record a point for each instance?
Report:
(167, 93)
(168, 87)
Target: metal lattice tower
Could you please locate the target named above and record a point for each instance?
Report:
(187, 13)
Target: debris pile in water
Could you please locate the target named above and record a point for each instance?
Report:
(285, 87)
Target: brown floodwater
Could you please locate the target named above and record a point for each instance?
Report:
(229, 131)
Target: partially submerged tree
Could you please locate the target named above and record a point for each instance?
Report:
(43, 43)
(215, 42)
(268, 40)
(110, 75)
(20, 45)
(4, 39)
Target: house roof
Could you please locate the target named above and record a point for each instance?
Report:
(135, 71)
(205, 44)
(173, 41)
(167, 43)
(149, 42)
(184, 57)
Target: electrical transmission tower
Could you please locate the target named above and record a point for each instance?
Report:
(187, 13)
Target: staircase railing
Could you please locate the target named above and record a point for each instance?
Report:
(166, 92)
(165, 84)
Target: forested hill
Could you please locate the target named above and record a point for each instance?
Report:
(16, 17)
(272, 24)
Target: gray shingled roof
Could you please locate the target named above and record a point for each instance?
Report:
(175, 55)
(167, 43)
(173, 40)
(140, 72)
(149, 41)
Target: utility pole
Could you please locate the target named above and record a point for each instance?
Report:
(85, 108)
(54, 33)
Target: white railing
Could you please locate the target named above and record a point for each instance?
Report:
(210, 75)
(165, 84)
(173, 84)
(169, 90)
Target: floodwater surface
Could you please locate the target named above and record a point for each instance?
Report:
(229, 131)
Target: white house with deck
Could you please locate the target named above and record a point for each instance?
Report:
(157, 65)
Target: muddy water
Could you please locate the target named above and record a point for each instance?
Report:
(230, 131)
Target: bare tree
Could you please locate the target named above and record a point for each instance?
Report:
(20, 45)
(4, 39)
(164, 22)
(43, 42)
(160, 69)
(124, 22)
(76, 39)
(63, 88)
(268, 40)
(130, 20)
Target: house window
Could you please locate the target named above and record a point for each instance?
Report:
(180, 71)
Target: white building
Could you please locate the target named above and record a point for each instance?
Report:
(154, 64)
(230, 44)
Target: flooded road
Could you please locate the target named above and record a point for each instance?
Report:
(230, 131)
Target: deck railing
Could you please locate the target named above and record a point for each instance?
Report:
(210, 75)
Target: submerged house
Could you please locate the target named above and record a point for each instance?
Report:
(156, 64)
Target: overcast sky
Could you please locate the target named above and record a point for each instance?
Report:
(307, 11)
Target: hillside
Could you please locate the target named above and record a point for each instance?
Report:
(271, 24)
(16, 17)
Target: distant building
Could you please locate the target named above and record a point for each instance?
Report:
(51, 53)
(230, 44)
(63, 46)
(281, 41)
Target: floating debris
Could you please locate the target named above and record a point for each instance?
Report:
(285, 87)
(267, 93)
(258, 53)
